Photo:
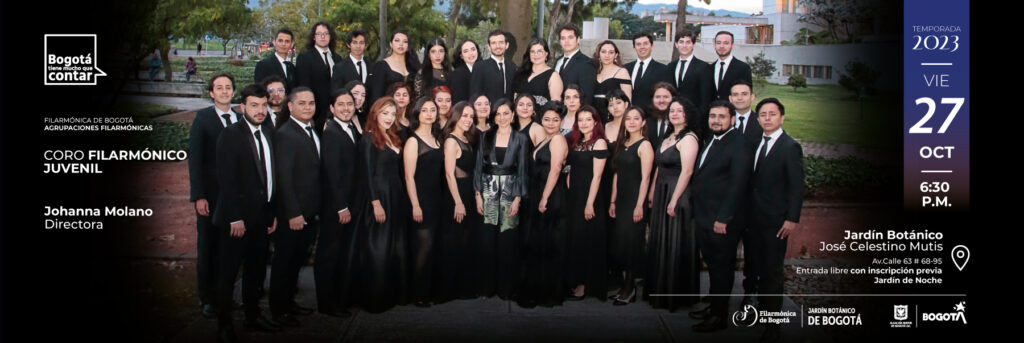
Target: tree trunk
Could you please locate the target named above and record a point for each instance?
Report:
(453, 18)
(680, 23)
(572, 7)
(383, 28)
(512, 20)
(553, 18)
(165, 48)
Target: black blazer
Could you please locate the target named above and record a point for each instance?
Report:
(202, 154)
(345, 72)
(698, 85)
(241, 176)
(314, 73)
(270, 66)
(581, 71)
(643, 88)
(486, 80)
(753, 132)
(515, 157)
(298, 172)
(738, 70)
(777, 186)
(720, 184)
(340, 157)
(459, 81)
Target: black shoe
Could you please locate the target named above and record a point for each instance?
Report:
(227, 335)
(613, 296)
(627, 300)
(261, 323)
(749, 300)
(209, 312)
(301, 311)
(701, 314)
(337, 313)
(287, 320)
(711, 324)
(771, 334)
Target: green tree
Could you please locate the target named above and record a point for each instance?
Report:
(761, 65)
(859, 78)
(797, 81)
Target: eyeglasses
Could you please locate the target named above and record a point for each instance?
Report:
(322, 34)
(275, 90)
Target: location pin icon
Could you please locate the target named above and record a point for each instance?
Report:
(960, 256)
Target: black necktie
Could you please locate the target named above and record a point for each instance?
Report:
(359, 70)
(259, 146)
(309, 130)
(721, 73)
(352, 130)
(289, 70)
(227, 119)
(325, 59)
(763, 153)
(682, 72)
(565, 60)
(741, 127)
(504, 86)
(640, 71)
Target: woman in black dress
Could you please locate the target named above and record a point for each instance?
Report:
(401, 92)
(500, 181)
(572, 98)
(535, 77)
(672, 253)
(423, 162)
(442, 96)
(400, 65)
(382, 218)
(586, 268)
(436, 68)
(610, 76)
(525, 121)
(463, 59)
(456, 258)
(544, 248)
(482, 106)
(358, 91)
(633, 157)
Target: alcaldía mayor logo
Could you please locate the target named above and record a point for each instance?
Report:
(70, 60)
(947, 316)
(900, 313)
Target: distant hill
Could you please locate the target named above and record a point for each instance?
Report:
(639, 9)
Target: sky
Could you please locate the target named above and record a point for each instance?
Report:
(746, 6)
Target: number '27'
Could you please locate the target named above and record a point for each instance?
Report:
(919, 127)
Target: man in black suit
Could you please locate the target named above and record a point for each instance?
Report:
(277, 92)
(278, 63)
(246, 176)
(692, 76)
(645, 71)
(315, 66)
(657, 114)
(727, 69)
(777, 196)
(719, 184)
(353, 68)
(742, 97)
(335, 249)
(493, 77)
(297, 151)
(202, 176)
(574, 67)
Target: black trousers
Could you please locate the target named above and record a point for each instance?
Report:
(719, 252)
(750, 259)
(250, 254)
(334, 263)
(771, 257)
(207, 257)
(291, 251)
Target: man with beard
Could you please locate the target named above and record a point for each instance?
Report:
(495, 74)
(277, 92)
(297, 151)
(203, 186)
(657, 123)
(727, 69)
(245, 172)
(335, 248)
(719, 182)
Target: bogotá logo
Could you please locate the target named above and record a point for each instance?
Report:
(746, 317)
(70, 60)
(957, 316)
(900, 312)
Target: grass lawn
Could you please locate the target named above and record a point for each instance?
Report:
(209, 45)
(828, 114)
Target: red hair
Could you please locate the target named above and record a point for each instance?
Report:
(439, 89)
(372, 124)
(576, 136)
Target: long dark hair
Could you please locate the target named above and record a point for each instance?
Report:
(597, 55)
(457, 60)
(414, 118)
(473, 134)
(515, 107)
(690, 113)
(427, 72)
(527, 68)
(617, 93)
(353, 84)
(620, 142)
(311, 39)
(412, 65)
